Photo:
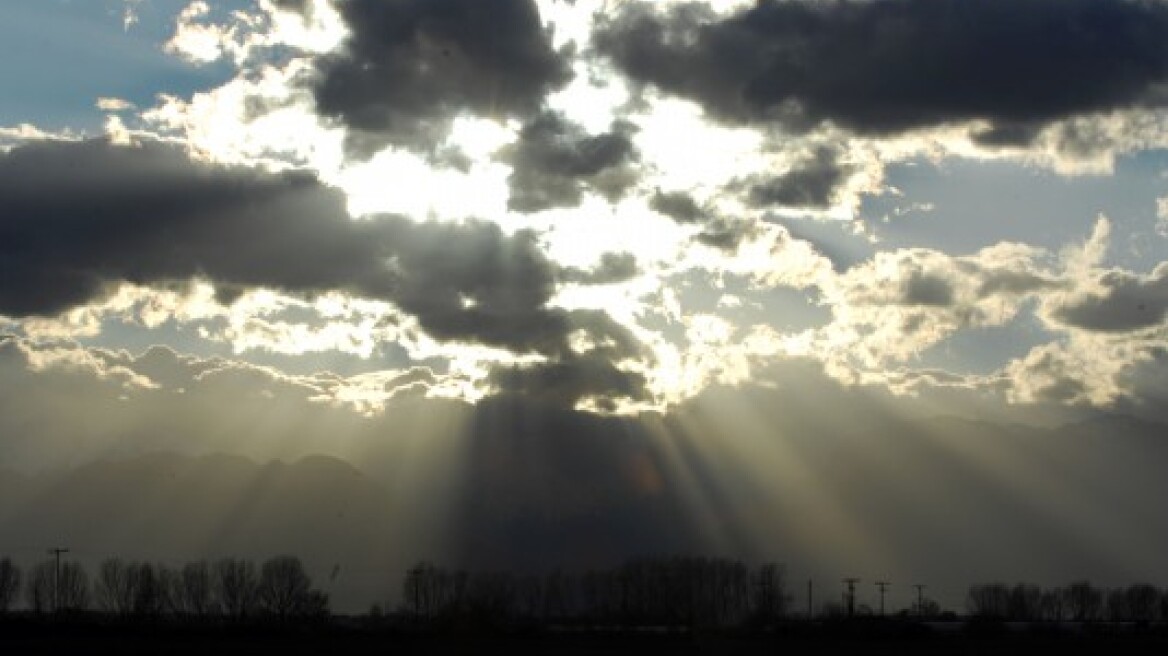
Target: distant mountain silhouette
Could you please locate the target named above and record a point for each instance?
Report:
(945, 501)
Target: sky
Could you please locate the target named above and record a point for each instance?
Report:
(871, 288)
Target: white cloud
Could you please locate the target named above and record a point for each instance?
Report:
(114, 104)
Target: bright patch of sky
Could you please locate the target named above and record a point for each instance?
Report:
(970, 204)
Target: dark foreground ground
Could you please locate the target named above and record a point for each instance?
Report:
(873, 639)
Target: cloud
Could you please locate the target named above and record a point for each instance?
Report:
(897, 65)
(1116, 301)
(150, 213)
(813, 183)
(677, 205)
(409, 67)
(554, 160)
(114, 105)
(198, 42)
(302, 7)
(567, 382)
(895, 305)
(83, 217)
(612, 268)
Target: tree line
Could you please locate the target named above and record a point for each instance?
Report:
(232, 588)
(1079, 601)
(665, 591)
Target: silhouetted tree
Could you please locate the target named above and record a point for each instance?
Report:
(990, 600)
(1025, 603)
(169, 584)
(1052, 605)
(73, 587)
(770, 595)
(113, 587)
(1084, 601)
(530, 592)
(9, 583)
(150, 593)
(285, 589)
(1115, 605)
(491, 596)
(559, 598)
(928, 608)
(38, 590)
(420, 589)
(193, 590)
(1143, 602)
(235, 585)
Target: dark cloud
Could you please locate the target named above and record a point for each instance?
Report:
(566, 382)
(79, 217)
(1125, 302)
(894, 65)
(409, 67)
(811, 183)
(612, 268)
(677, 205)
(1007, 134)
(921, 288)
(720, 232)
(726, 234)
(590, 372)
(554, 160)
(302, 7)
(471, 281)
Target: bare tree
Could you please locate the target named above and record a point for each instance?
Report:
(150, 594)
(38, 589)
(1025, 603)
(72, 587)
(193, 590)
(770, 596)
(284, 586)
(1115, 605)
(235, 585)
(9, 583)
(558, 597)
(416, 589)
(1053, 605)
(1143, 602)
(113, 588)
(1084, 601)
(169, 589)
(989, 600)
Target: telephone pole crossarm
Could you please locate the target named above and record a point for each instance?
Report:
(56, 552)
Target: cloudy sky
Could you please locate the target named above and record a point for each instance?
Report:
(850, 285)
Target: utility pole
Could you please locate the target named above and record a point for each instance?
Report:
(416, 573)
(920, 598)
(883, 587)
(57, 551)
(850, 595)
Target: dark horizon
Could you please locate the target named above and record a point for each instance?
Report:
(159, 507)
